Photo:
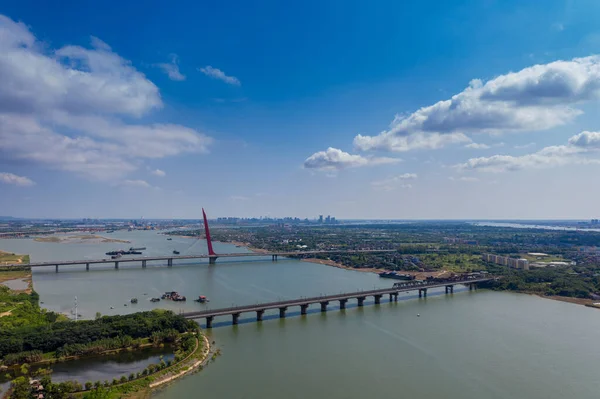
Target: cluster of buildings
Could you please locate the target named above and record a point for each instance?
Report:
(506, 261)
(327, 220)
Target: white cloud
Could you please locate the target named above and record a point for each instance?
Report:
(586, 140)
(135, 183)
(478, 146)
(395, 181)
(528, 145)
(10, 178)
(464, 178)
(172, 68)
(220, 75)
(63, 108)
(536, 98)
(159, 173)
(415, 141)
(335, 159)
(582, 148)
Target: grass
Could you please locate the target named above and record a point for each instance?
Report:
(9, 257)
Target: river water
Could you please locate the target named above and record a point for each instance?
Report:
(471, 345)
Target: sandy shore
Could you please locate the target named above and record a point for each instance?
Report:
(79, 239)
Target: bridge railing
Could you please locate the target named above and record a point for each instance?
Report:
(316, 299)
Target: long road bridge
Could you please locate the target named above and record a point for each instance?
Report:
(169, 259)
(360, 296)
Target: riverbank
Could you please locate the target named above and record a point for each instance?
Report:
(418, 275)
(79, 239)
(247, 246)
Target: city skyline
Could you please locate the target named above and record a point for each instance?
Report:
(397, 111)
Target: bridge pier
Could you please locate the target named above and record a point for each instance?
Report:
(394, 295)
(56, 269)
(360, 299)
(170, 262)
(282, 312)
(143, 264)
(274, 258)
(324, 306)
(423, 292)
(209, 320)
(343, 303)
(235, 317)
(303, 308)
(212, 260)
(116, 265)
(259, 314)
(377, 299)
(450, 288)
(87, 267)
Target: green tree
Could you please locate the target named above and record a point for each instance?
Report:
(20, 388)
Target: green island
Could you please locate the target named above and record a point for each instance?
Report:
(33, 338)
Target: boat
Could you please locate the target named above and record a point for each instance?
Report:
(176, 252)
(202, 299)
(155, 300)
(137, 249)
(119, 252)
(169, 239)
(134, 300)
(174, 296)
(396, 276)
(115, 256)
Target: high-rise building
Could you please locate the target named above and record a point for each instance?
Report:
(320, 218)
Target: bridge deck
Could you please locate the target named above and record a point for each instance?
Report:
(175, 257)
(409, 286)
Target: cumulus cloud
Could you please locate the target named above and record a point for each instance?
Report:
(583, 148)
(63, 108)
(172, 68)
(216, 73)
(395, 181)
(10, 178)
(586, 140)
(536, 98)
(159, 173)
(336, 159)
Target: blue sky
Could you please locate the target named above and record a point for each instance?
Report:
(387, 109)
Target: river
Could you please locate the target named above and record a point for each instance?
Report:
(478, 344)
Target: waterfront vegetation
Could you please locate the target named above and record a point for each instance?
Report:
(190, 349)
(444, 246)
(68, 338)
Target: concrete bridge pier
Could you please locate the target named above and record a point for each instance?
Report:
(56, 268)
(282, 312)
(170, 262)
(324, 306)
(303, 308)
(116, 265)
(343, 303)
(470, 287)
(394, 295)
(259, 314)
(450, 288)
(377, 299)
(212, 260)
(423, 292)
(235, 317)
(360, 299)
(274, 258)
(143, 264)
(87, 267)
(209, 320)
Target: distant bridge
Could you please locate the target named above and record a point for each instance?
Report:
(169, 259)
(360, 296)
